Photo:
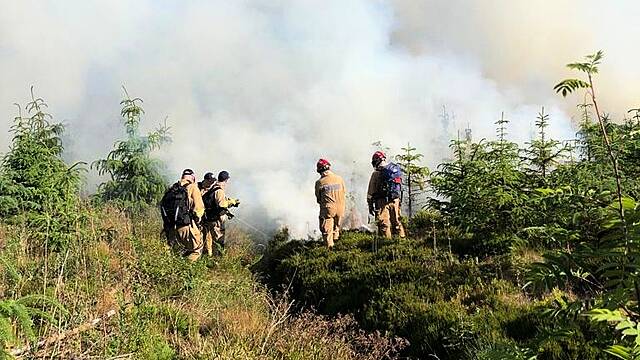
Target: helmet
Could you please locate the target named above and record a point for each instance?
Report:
(209, 176)
(377, 158)
(322, 165)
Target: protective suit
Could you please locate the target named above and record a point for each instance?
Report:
(330, 195)
(214, 225)
(386, 211)
(189, 237)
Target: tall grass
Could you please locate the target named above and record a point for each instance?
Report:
(165, 307)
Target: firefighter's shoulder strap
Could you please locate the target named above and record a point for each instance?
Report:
(211, 207)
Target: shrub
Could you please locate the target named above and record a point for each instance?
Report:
(444, 306)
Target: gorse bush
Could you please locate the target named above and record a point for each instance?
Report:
(136, 179)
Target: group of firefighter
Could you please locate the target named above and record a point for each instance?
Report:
(195, 213)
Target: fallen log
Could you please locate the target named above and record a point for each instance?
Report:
(59, 337)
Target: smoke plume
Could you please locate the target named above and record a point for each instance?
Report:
(263, 88)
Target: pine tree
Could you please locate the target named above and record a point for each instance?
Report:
(35, 182)
(502, 156)
(136, 178)
(543, 153)
(501, 129)
(481, 190)
(415, 175)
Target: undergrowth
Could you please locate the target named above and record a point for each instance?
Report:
(446, 306)
(165, 307)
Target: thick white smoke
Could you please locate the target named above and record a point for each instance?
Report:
(264, 88)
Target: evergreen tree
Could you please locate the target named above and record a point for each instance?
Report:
(543, 153)
(481, 191)
(136, 178)
(415, 175)
(35, 182)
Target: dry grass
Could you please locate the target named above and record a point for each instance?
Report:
(167, 308)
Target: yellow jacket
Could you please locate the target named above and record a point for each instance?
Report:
(222, 200)
(331, 192)
(195, 197)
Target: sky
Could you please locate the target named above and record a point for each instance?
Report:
(264, 88)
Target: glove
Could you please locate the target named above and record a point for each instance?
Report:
(234, 202)
(372, 211)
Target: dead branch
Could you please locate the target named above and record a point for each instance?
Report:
(59, 337)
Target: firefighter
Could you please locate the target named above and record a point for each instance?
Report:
(383, 196)
(182, 209)
(330, 195)
(205, 185)
(217, 212)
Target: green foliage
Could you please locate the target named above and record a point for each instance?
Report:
(565, 87)
(96, 261)
(481, 191)
(21, 313)
(174, 276)
(136, 179)
(563, 228)
(627, 327)
(415, 175)
(588, 67)
(543, 154)
(35, 182)
(521, 253)
(600, 264)
(445, 306)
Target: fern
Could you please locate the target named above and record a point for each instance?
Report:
(22, 312)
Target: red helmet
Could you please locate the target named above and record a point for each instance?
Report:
(322, 165)
(377, 157)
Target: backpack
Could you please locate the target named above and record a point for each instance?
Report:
(392, 176)
(174, 207)
(211, 208)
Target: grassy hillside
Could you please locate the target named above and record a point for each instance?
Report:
(165, 307)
